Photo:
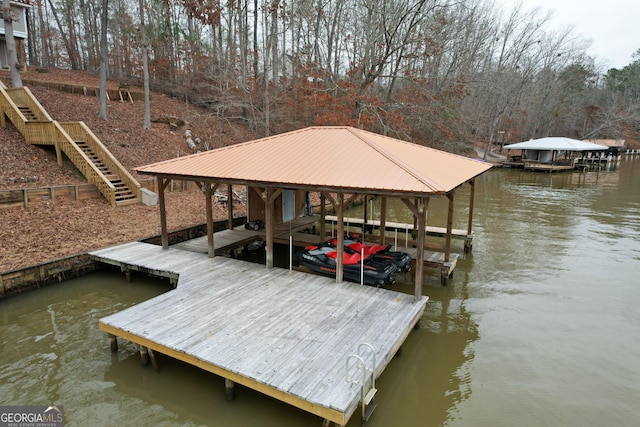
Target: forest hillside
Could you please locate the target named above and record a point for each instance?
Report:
(49, 229)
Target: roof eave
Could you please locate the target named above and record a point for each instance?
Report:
(309, 187)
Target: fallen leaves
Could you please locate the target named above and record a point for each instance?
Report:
(53, 229)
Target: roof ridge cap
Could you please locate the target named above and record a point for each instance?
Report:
(391, 157)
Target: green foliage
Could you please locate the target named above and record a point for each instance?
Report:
(626, 80)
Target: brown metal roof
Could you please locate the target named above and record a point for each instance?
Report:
(333, 158)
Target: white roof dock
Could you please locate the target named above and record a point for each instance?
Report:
(556, 144)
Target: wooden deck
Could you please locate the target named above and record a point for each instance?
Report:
(223, 241)
(547, 167)
(226, 240)
(284, 333)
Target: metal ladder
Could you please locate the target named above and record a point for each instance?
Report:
(356, 364)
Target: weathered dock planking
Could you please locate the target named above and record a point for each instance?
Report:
(284, 333)
(224, 240)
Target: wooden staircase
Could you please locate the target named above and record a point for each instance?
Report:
(75, 140)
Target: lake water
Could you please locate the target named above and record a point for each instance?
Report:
(539, 326)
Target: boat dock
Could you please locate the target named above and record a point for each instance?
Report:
(240, 237)
(299, 338)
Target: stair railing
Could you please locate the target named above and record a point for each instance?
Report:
(85, 165)
(12, 111)
(79, 131)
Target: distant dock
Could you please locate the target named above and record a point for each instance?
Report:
(302, 339)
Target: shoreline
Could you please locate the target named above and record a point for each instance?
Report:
(27, 279)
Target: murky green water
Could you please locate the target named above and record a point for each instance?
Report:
(539, 326)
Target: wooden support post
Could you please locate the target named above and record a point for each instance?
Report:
(127, 274)
(144, 356)
(365, 215)
(113, 342)
(383, 219)
(415, 223)
(230, 207)
(58, 153)
(447, 244)
(340, 236)
(468, 241)
(152, 357)
(421, 211)
(162, 185)
(323, 215)
(229, 389)
(268, 216)
(209, 211)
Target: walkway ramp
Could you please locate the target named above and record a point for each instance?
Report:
(75, 140)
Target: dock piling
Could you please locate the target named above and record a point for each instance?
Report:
(229, 389)
(152, 358)
(144, 356)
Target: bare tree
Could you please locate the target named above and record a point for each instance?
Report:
(12, 52)
(104, 63)
(145, 69)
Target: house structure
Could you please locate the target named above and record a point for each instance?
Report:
(20, 31)
(339, 162)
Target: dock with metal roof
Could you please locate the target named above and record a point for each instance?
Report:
(302, 339)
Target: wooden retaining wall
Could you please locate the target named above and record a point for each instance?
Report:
(24, 197)
(16, 282)
(27, 196)
(114, 94)
(19, 281)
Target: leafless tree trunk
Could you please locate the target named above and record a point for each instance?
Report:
(145, 69)
(67, 42)
(104, 64)
(12, 52)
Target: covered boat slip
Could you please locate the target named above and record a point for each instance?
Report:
(287, 334)
(320, 159)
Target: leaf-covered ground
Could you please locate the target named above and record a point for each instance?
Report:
(49, 230)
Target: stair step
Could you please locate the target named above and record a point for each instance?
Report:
(369, 396)
(368, 411)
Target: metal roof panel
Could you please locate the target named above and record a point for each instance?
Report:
(339, 158)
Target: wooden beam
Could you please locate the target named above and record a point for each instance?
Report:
(330, 198)
(274, 195)
(208, 191)
(421, 211)
(365, 215)
(268, 219)
(162, 185)
(472, 193)
(340, 244)
(58, 152)
(323, 214)
(230, 207)
(447, 241)
(411, 205)
(328, 413)
(383, 218)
